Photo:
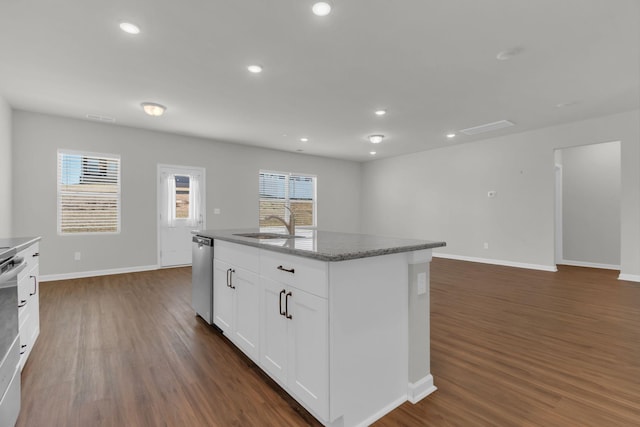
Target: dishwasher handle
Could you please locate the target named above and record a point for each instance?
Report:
(202, 241)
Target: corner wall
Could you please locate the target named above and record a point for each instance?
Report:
(442, 194)
(5, 169)
(232, 186)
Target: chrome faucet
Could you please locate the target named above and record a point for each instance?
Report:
(291, 225)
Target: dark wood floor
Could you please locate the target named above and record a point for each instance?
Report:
(510, 347)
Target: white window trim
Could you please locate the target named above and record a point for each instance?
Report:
(58, 194)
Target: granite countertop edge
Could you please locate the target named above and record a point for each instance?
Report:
(17, 243)
(343, 255)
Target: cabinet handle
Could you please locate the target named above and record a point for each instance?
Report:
(228, 280)
(23, 347)
(36, 254)
(35, 286)
(286, 305)
(22, 303)
(281, 268)
(231, 271)
(282, 313)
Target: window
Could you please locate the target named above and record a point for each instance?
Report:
(182, 198)
(88, 193)
(295, 191)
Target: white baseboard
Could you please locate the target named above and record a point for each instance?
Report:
(382, 412)
(83, 274)
(551, 268)
(421, 389)
(629, 277)
(589, 264)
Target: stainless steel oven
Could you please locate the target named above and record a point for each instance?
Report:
(10, 267)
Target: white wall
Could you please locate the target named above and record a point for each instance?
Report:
(442, 194)
(591, 203)
(232, 186)
(5, 169)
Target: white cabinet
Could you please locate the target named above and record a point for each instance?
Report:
(236, 301)
(308, 355)
(273, 332)
(294, 341)
(334, 335)
(29, 301)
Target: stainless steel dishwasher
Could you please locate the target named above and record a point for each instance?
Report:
(202, 277)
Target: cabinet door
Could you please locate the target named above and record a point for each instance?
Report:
(246, 325)
(309, 350)
(222, 297)
(273, 332)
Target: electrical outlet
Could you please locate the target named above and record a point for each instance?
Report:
(491, 194)
(486, 245)
(76, 256)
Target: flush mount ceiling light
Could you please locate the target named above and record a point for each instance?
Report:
(304, 139)
(153, 109)
(451, 135)
(129, 28)
(373, 153)
(321, 8)
(375, 139)
(255, 69)
(381, 112)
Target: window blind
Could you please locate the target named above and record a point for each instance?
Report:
(88, 193)
(295, 191)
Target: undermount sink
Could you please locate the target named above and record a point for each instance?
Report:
(267, 235)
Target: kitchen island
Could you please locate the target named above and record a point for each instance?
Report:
(340, 321)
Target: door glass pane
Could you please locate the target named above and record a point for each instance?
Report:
(182, 196)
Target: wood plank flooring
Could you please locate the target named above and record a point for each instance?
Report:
(510, 347)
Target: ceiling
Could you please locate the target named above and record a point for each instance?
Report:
(431, 64)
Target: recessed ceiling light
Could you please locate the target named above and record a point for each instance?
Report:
(373, 153)
(376, 139)
(153, 109)
(130, 28)
(508, 54)
(381, 112)
(304, 139)
(321, 8)
(255, 69)
(451, 135)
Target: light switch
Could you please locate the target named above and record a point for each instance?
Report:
(216, 211)
(422, 283)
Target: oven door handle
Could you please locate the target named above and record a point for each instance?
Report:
(16, 266)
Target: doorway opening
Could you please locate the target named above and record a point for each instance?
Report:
(181, 210)
(587, 205)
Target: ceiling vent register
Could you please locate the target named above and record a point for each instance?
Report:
(487, 127)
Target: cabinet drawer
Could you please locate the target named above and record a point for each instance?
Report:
(242, 256)
(31, 255)
(303, 273)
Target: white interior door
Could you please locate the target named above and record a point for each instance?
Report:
(181, 210)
